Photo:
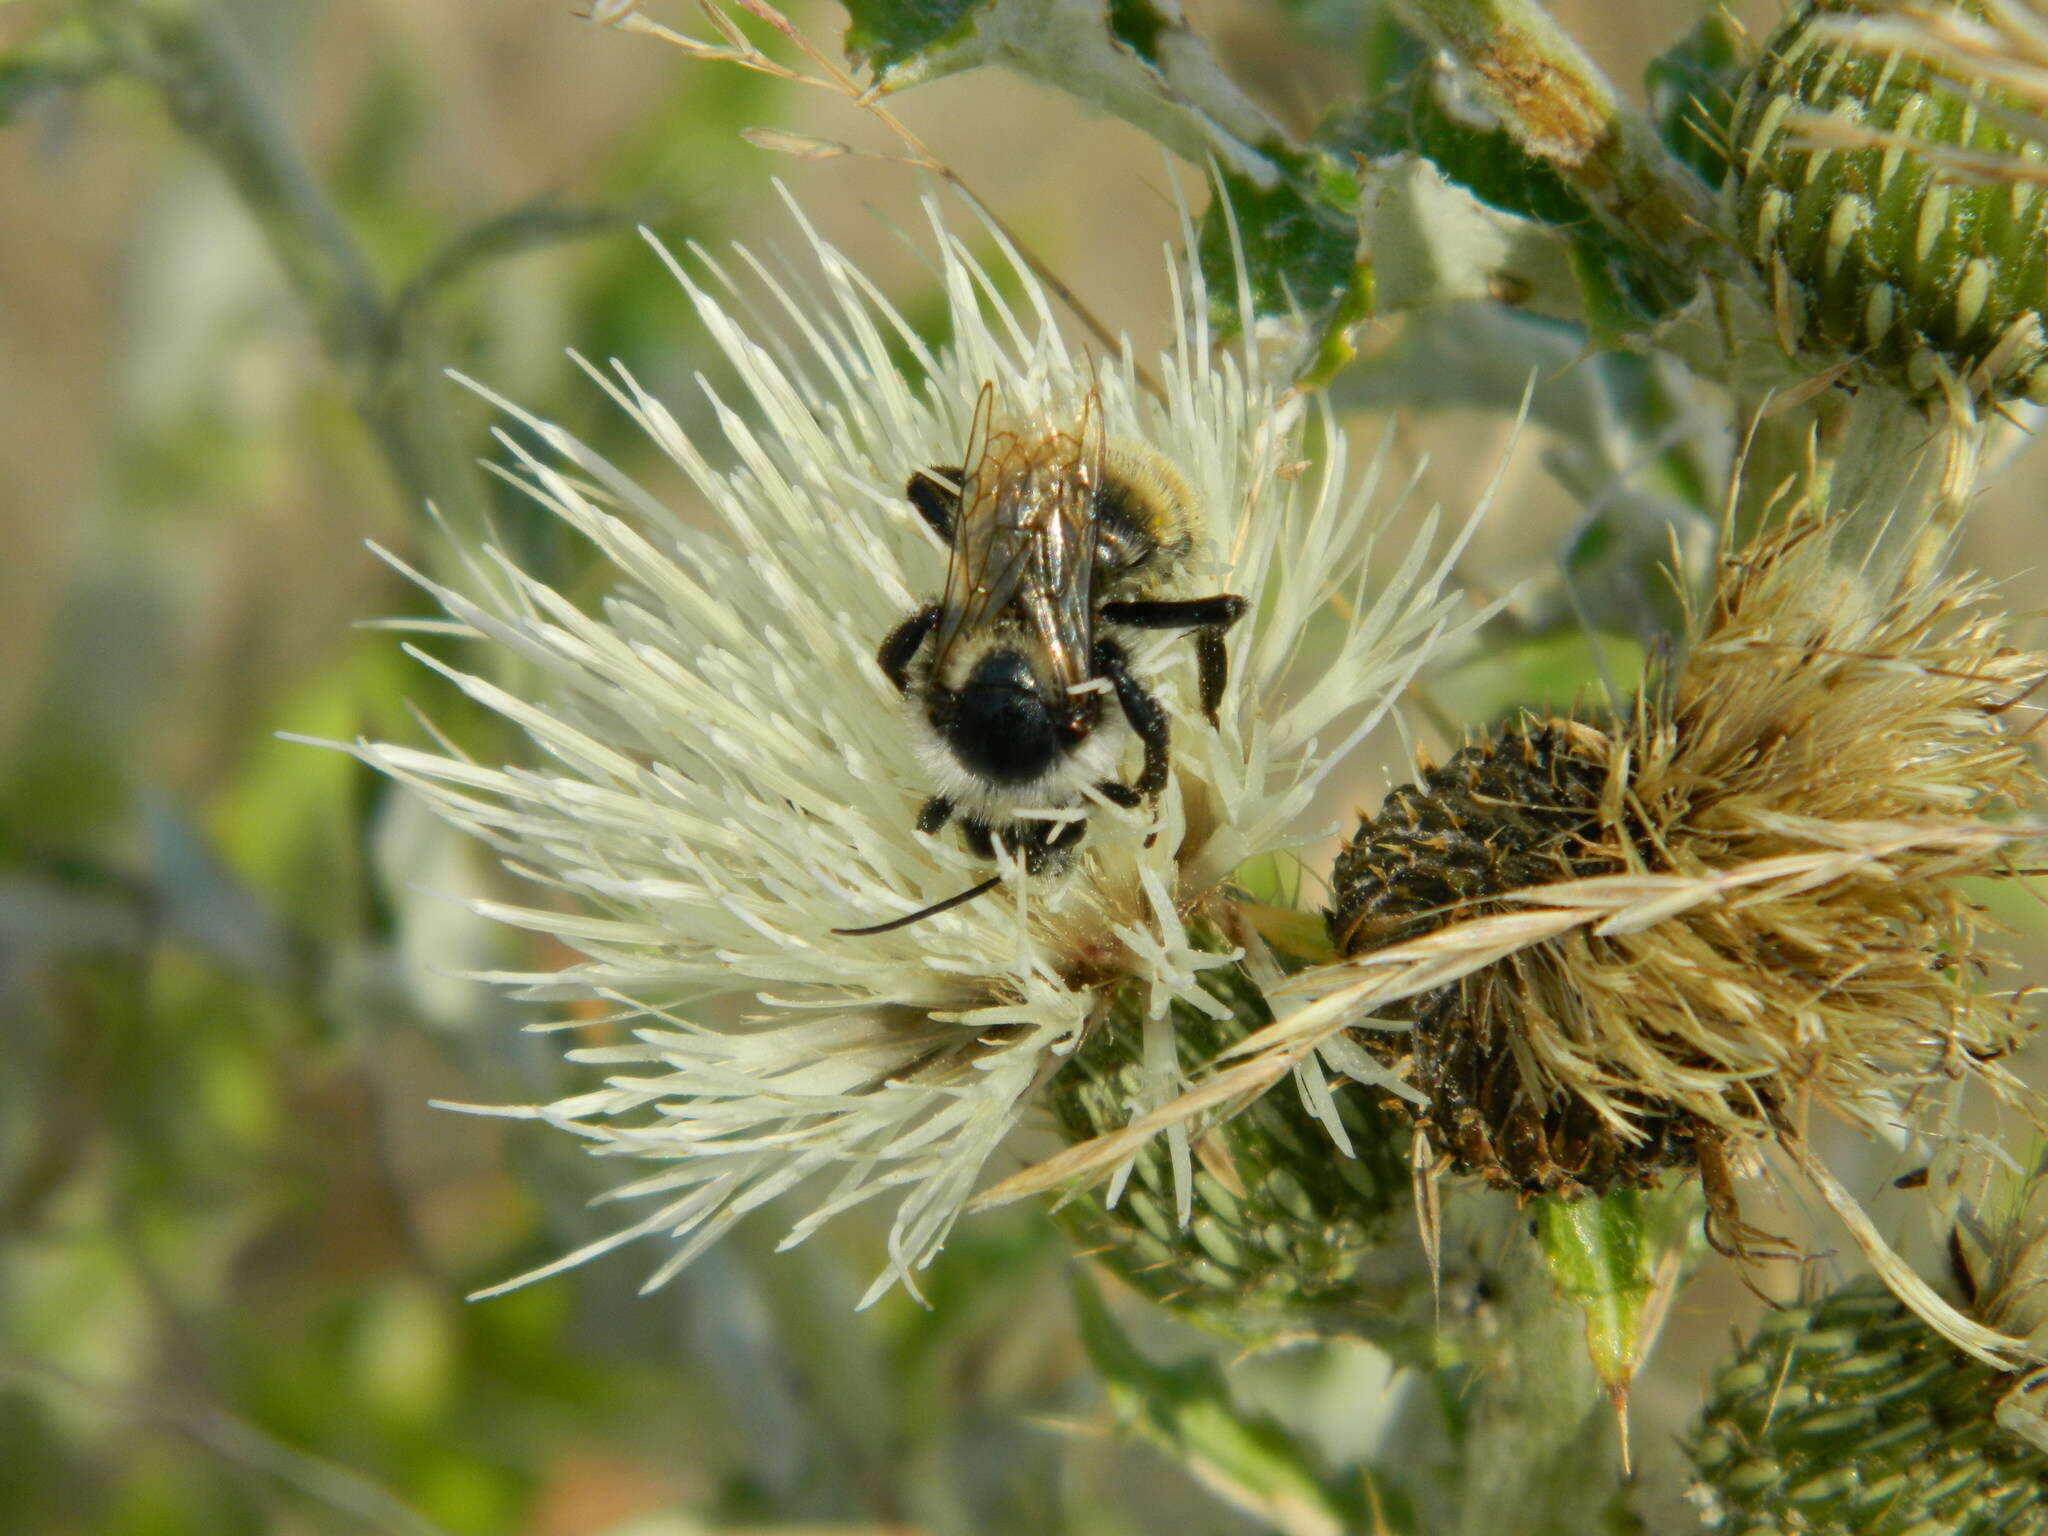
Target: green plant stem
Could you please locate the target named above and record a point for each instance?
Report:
(1540, 1453)
(1562, 110)
(390, 364)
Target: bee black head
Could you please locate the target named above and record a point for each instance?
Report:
(1001, 724)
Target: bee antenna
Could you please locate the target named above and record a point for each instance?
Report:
(958, 899)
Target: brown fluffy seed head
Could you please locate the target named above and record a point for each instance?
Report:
(1522, 809)
(1820, 706)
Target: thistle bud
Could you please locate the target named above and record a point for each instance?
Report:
(1849, 1417)
(1281, 1220)
(1875, 250)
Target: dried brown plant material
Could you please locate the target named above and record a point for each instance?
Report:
(1667, 938)
(1819, 708)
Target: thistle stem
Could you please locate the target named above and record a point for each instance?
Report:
(391, 368)
(1560, 108)
(1540, 1452)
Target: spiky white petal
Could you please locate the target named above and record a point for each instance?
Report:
(723, 774)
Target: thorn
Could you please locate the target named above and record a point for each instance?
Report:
(1617, 1393)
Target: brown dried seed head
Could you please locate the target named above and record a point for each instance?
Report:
(1819, 707)
(1519, 810)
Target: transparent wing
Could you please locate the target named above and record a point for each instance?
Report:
(1060, 604)
(1024, 536)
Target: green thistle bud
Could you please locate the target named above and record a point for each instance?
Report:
(1282, 1220)
(1849, 1417)
(1873, 254)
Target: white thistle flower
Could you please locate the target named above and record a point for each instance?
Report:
(724, 774)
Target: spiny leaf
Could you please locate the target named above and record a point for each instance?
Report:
(1299, 244)
(1692, 87)
(1623, 288)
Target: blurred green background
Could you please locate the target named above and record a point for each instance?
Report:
(234, 1238)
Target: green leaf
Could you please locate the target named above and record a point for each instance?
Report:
(1138, 24)
(1432, 242)
(1692, 88)
(1299, 243)
(1619, 1258)
(882, 34)
(1623, 289)
(1186, 1410)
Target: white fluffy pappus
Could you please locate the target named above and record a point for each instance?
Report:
(723, 775)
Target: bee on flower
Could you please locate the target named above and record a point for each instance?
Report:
(746, 749)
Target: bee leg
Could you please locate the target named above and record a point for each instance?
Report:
(1212, 669)
(1120, 794)
(1144, 712)
(979, 837)
(936, 504)
(934, 814)
(894, 656)
(1042, 844)
(1209, 617)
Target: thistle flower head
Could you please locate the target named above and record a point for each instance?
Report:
(1842, 720)
(1846, 1414)
(1889, 166)
(722, 774)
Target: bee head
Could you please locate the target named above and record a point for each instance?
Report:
(1006, 725)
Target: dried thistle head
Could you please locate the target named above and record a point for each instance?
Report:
(1822, 758)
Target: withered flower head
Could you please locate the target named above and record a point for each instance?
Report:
(1662, 940)
(1820, 710)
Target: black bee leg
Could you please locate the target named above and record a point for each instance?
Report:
(1041, 843)
(1217, 613)
(1209, 617)
(1212, 668)
(1056, 838)
(894, 656)
(979, 837)
(934, 814)
(1145, 713)
(1120, 794)
(934, 502)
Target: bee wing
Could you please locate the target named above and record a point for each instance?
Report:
(1024, 536)
(1061, 604)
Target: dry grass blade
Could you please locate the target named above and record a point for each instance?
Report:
(1995, 1349)
(1338, 996)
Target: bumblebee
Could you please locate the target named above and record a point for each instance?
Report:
(1058, 541)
